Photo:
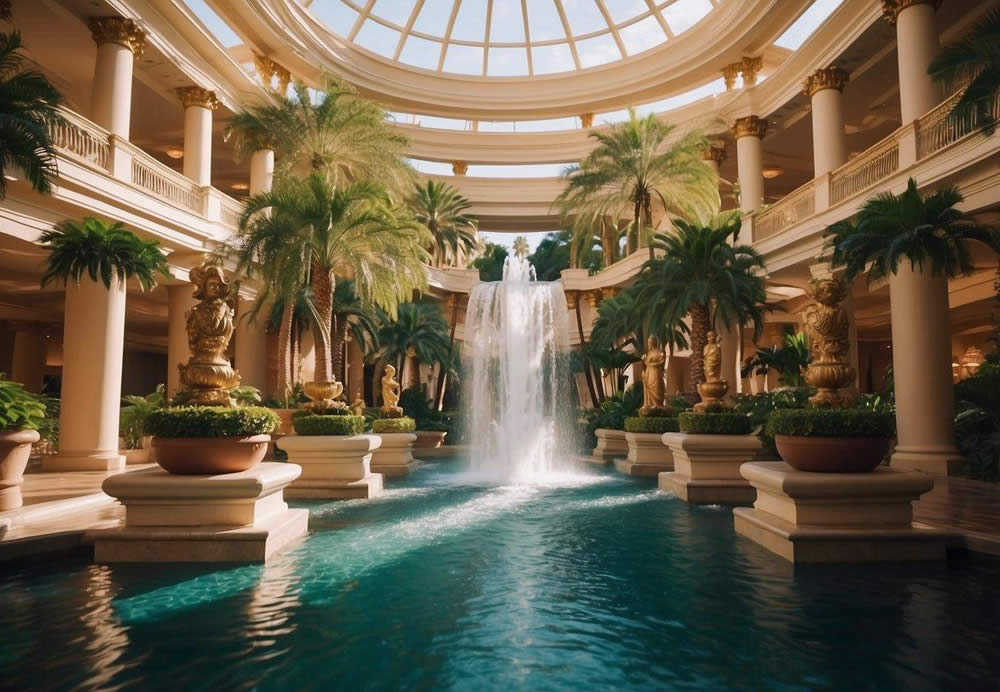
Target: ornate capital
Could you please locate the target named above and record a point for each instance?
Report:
(892, 8)
(715, 153)
(609, 292)
(459, 167)
(750, 126)
(572, 299)
(196, 96)
(750, 68)
(118, 30)
(586, 120)
(268, 69)
(593, 298)
(730, 73)
(826, 78)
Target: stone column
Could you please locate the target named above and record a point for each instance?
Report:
(749, 132)
(28, 362)
(916, 47)
(824, 88)
(251, 347)
(93, 345)
(261, 171)
(119, 43)
(198, 106)
(180, 299)
(921, 363)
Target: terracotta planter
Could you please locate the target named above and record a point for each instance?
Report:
(209, 455)
(429, 439)
(15, 448)
(832, 454)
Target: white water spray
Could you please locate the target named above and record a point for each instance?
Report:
(519, 398)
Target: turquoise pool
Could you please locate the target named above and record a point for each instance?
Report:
(598, 582)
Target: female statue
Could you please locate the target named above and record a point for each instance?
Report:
(712, 355)
(390, 394)
(654, 387)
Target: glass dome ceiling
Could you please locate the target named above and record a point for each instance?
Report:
(509, 38)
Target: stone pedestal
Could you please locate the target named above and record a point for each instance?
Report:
(838, 517)
(232, 517)
(333, 466)
(647, 455)
(707, 468)
(611, 444)
(394, 458)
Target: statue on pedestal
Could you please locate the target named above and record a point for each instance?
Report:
(358, 405)
(208, 373)
(714, 388)
(653, 386)
(828, 328)
(390, 394)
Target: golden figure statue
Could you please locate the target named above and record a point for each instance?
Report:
(208, 373)
(828, 327)
(653, 387)
(714, 388)
(390, 394)
(358, 405)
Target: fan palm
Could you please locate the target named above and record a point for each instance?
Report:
(28, 108)
(520, 247)
(354, 230)
(634, 164)
(703, 275)
(105, 251)
(974, 58)
(351, 316)
(789, 359)
(444, 212)
(418, 332)
(338, 134)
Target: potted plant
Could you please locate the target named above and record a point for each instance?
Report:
(21, 414)
(395, 455)
(210, 439)
(132, 424)
(832, 440)
(647, 455)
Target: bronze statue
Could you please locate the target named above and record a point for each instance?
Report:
(208, 373)
(390, 394)
(714, 388)
(828, 328)
(653, 387)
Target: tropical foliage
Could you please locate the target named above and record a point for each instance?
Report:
(490, 263)
(520, 247)
(973, 58)
(28, 109)
(789, 359)
(353, 316)
(19, 408)
(444, 212)
(418, 333)
(135, 411)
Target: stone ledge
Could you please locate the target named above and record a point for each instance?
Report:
(644, 470)
(395, 470)
(707, 468)
(648, 450)
(707, 492)
(361, 489)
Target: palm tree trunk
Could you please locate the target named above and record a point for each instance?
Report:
(633, 241)
(322, 287)
(413, 376)
(573, 260)
(699, 337)
(443, 375)
(583, 358)
(284, 351)
(339, 332)
(649, 223)
(608, 243)
(294, 355)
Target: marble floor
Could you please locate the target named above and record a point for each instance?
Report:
(970, 508)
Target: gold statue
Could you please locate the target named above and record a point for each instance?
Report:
(714, 388)
(208, 373)
(390, 394)
(828, 327)
(653, 388)
(358, 405)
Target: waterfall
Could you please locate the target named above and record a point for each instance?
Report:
(518, 398)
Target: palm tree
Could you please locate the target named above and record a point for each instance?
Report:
(444, 212)
(354, 230)
(520, 247)
(973, 58)
(353, 316)
(703, 275)
(790, 359)
(337, 134)
(28, 108)
(634, 163)
(419, 332)
(490, 263)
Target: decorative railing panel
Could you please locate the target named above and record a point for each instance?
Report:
(937, 129)
(230, 211)
(82, 140)
(793, 208)
(153, 177)
(866, 170)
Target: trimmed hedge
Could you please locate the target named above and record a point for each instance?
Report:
(329, 425)
(394, 425)
(651, 424)
(728, 423)
(211, 421)
(831, 422)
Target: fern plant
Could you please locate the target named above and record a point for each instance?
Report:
(19, 408)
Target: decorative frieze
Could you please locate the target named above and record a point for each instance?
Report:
(609, 292)
(750, 126)
(118, 30)
(196, 96)
(892, 8)
(593, 298)
(826, 78)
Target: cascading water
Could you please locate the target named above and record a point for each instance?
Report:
(519, 398)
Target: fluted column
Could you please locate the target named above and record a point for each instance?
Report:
(119, 43)
(916, 46)
(251, 347)
(198, 106)
(825, 88)
(180, 299)
(749, 132)
(28, 362)
(93, 345)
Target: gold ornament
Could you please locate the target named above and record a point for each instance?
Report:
(653, 388)
(390, 394)
(714, 388)
(358, 405)
(118, 30)
(750, 68)
(750, 126)
(892, 8)
(730, 73)
(196, 96)
(826, 78)
(208, 373)
(459, 167)
(586, 120)
(828, 327)
(715, 153)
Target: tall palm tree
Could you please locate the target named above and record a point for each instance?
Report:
(353, 316)
(520, 247)
(975, 58)
(28, 108)
(634, 164)
(418, 333)
(336, 133)
(444, 212)
(703, 275)
(355, 230)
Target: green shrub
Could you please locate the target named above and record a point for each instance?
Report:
(726, 423)
(19, 408)
(135, 411)
(394, 425)
(211, 421)
(329, 425)
(760, 406)
(651, 424)
(831, 422)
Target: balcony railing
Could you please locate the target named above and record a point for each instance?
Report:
(166, 183)
(793, 208)
(866, 170)
(936, 130)
(82, 140)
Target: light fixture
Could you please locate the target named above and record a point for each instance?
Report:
(772, 172)
(174, 152)
(972, 359)
(240, 186)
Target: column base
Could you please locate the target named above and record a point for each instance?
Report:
(610, 444)
(703, 492)
(941, 463)
(109, 462)
(707, 468)
(361, 489)
(647, 455)
(334, 467)
(394, 458)
(11, 498)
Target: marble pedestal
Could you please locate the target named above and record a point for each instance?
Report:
(707, 468)
(394, 457)
(838, 517)
(647, 455)
(611, 444)
(232, 517)
(333, 466)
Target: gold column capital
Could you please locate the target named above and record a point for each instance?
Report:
(826, 78)
(716, 153)
(268, 69)
(196, 96)
(750, 68)
(118, 30)
(594, 298)
(586, 120)
(459, 167)
(572, 299)
(609, 292)
(730, 73)
(892, 8)
(750, 126)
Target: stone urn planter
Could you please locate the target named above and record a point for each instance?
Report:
(822, 440)
(335, 458)
(611, 444)
(430, 439)
(394, 457)
(647, 455)
(15, 449)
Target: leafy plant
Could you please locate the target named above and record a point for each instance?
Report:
(977, 423)
(831, 422)
(760, 406)
(490, 262)
(715, 423)
(973, 58)
(211, 421)
(329, 425)
(419, 332)
(102, 250)
(394, 425)
(244, 395)
(444, 212)
(295, 397)
(790, 360)
(135, 412)
(651, 424)
(19, 408)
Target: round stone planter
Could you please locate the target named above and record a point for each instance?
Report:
(15, 448)
(333, 466)
(832, 454)
(429, 439)
(209, 455)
